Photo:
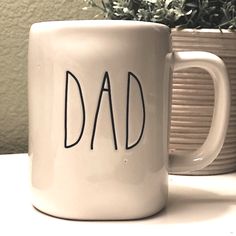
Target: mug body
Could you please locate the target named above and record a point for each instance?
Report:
(98, 118)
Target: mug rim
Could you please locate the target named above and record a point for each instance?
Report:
(99, 23)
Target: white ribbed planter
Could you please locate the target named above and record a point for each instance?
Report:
(193, 97)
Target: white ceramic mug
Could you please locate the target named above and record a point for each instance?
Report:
(99, 95)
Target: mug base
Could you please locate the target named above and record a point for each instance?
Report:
(118, 218)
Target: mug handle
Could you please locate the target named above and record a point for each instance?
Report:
(181, 162)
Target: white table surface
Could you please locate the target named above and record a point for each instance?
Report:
(197, 206)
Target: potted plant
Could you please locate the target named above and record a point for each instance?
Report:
(206, 25)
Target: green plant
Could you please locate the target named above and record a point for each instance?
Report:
(229, 15)
(174, 13)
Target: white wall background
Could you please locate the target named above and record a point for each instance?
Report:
(16, 17)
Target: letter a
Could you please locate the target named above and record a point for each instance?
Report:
(70, 76)
(132, 76)
(106, 88)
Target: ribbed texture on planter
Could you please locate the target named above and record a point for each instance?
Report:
(193, 97)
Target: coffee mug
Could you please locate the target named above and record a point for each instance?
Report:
(99, 100)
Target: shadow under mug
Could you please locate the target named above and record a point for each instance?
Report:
(99, 100)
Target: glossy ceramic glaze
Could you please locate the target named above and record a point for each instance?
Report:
(98, 117)
(107, 182)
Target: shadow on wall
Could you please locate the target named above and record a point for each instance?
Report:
(15, 20)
